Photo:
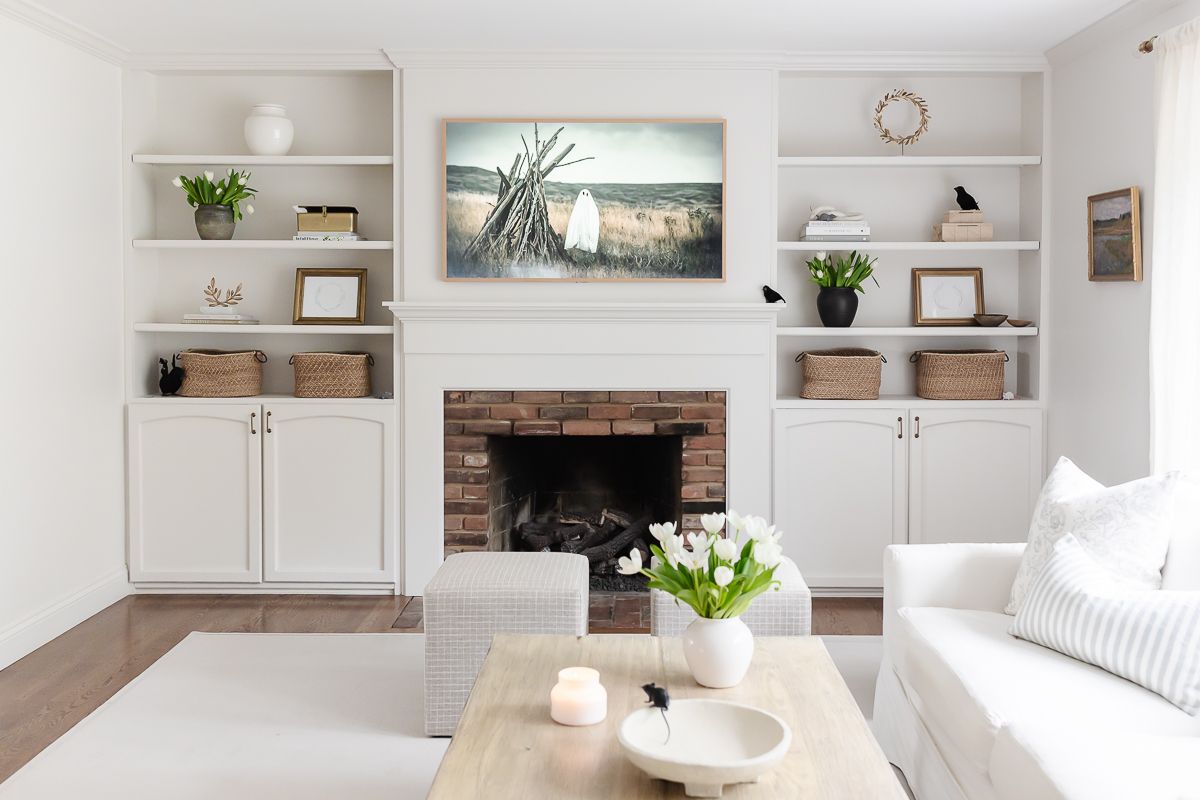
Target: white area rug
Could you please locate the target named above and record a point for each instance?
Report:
(295, 716)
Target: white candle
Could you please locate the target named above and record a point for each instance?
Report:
(578, 698)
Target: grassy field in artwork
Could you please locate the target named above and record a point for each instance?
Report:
(671, 230)
(1112, 246)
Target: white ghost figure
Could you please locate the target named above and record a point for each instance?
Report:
(583, 229)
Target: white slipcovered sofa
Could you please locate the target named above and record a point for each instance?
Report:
(967, 711)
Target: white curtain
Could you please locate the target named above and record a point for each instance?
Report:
(1175, 284)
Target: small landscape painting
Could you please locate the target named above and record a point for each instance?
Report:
(1115, 236)
(584, 200)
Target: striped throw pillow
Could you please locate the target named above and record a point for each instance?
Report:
(1151, 637)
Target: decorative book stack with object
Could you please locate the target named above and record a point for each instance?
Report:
(828, 224)
(220, 309)
(964, 224)
(327, 224)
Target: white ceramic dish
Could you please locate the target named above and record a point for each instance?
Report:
(712, 743)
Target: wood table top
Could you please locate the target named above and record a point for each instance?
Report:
(506, 745)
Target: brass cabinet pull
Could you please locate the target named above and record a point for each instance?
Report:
(900, 434)
(252, 416)
(917, 432)
(268, 422)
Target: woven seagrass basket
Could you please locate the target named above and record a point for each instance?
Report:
(332, 374)
(221, 373)
(844, 373)
(960, 374)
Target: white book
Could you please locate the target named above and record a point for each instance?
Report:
(828, 237)
(310, 236)
(220, 321)
(830, 227)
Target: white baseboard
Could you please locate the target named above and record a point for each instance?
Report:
(21, 639)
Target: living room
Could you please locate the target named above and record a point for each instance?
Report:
(640, 400)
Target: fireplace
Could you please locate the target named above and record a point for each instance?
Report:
(579, 471)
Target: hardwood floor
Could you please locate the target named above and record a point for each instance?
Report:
(46, 693)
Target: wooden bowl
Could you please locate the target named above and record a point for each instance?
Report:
(990, 320)
(1020, 323)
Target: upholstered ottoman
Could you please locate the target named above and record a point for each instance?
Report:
(475, 595)
(786, 612)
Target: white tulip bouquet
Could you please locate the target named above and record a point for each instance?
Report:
(717, 574)
(230, 191)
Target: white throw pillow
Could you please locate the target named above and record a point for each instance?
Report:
(1149, 637)
(1126, 528)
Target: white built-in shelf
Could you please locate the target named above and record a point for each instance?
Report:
(264, 161)
(948, 331)
(258, 244)
(903, 401)
(259, 398)
(206, 328)
(908, 161)
(932, 247)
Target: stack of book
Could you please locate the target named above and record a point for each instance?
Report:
(327, 224)
(220, 319)
(328, 236)
(836, 230)
(963, 226)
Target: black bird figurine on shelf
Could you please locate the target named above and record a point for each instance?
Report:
(659, 698)
(965, 201)
(771, 295)
(169, 381)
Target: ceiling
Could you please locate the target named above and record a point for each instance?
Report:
(188, 26)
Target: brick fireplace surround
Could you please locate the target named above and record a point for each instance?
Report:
(470, 417)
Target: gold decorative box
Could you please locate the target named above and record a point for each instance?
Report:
(326, 219)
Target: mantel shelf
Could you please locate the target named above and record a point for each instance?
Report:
(204, 329)
(258, 244)
(908, 161)
(580, 311)
(948, 331)
(263, 161)
(810, 247)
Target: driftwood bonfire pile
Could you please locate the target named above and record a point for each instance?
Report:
(518, 227)
(602, 538)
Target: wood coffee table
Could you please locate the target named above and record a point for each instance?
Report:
(506, 745)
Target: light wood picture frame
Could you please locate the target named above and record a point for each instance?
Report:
(1115, 235)
(947, 296)
(330, 296)
(638, 199)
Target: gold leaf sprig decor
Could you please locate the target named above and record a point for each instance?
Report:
(213, 295)
(904, 95)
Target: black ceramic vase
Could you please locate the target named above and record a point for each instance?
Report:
(214, 222)
(837, 306)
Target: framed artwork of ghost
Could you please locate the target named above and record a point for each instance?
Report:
(584, 199)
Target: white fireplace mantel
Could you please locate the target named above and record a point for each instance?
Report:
(695, 311)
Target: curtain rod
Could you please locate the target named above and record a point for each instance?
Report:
(1147, 46)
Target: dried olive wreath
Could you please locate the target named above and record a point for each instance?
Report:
(911, 97)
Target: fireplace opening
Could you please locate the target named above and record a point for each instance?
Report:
(592, 495)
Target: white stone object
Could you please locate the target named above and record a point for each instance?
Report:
(268, 131)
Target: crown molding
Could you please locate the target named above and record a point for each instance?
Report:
(1129, 20)
(289, 61)
(64, 30)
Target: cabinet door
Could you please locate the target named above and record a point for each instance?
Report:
(195, 492)
(974, 475)
(840, 492)
(328, 492)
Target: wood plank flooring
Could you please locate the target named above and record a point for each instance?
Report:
(46, 693)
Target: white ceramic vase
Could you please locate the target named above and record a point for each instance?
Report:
(268, 131)
(718, 651)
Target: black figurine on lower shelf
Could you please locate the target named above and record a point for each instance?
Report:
(169, 381)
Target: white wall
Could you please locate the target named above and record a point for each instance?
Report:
(1102, 127)
(62, 552)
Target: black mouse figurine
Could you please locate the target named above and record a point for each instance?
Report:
(771, 295)
(660, 699)
(169, 381)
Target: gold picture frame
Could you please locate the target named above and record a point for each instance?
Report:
(924, 280)
(306, 307)
(1115, 235)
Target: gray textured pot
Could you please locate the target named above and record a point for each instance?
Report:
(214, 222)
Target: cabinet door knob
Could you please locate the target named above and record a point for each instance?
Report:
(268, 422)
(917, 428)
(900, 431)
(252, 416)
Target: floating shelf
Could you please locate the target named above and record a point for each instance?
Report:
(908, 161)
(264, 161)
(257, 244)
(810, 247)
(205, 328)
(259, 398)
(905, 401)
(948, 331)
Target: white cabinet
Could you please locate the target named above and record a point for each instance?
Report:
(327, 492)
(850, 481)
(974, 475)
(240, 492)
(195, 504)
(840, 491)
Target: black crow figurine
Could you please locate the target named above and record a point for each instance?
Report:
(965, 201)
(659, 698)
(771, 295)
(169, 381)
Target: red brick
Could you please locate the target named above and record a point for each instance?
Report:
(703, 474)
(716, 490)
(585, 397)
(586, 427)
(452, 428)
(465, 412)
(513, 411)
(633, 428)
(694, 491)
(452, 459)
(715, 427)
(683, 397)
(537, 397)
(452, 491)
(453, 397)
(716, 459)
(691, 520)
(716, 397)
(609, 411)
(635, 397)
(492, 427)
(656, 412)
(704, 443)
(475, 459)
(453, 522)
(695, 459)
(466, 507)
(475, 492)
(489, 397)
(467, 541)
(539, 427)
(703, 411)
(475, 476)
(475, 523)
(679, 428)
(463, 444)
(562, 412)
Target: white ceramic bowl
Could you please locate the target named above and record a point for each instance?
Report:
(712, 743)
